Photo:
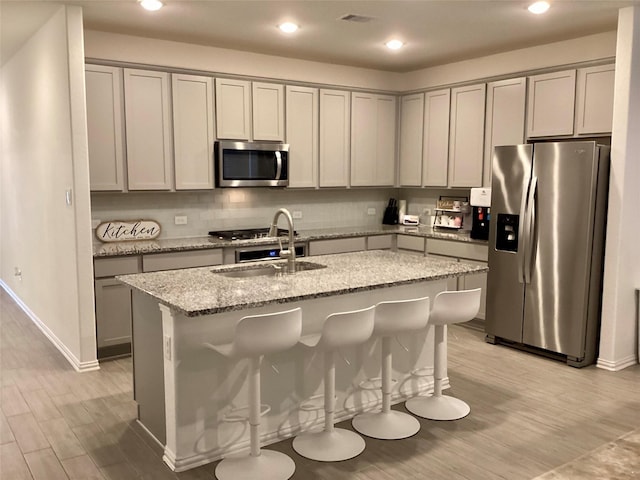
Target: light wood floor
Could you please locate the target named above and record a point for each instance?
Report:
(528, 415)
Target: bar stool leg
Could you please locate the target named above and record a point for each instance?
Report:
(263, 464)
(331, 444)
(438, 406)
(387, 424)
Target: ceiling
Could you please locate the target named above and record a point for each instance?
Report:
(435, 31)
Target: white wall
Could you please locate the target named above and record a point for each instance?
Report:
(622, 263)
(584, 49)
(44, 154)
(125, 48)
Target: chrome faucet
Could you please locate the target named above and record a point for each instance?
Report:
(290, 252)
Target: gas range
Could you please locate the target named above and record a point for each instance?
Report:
(247, 234)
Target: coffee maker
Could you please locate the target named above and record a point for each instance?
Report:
(480, 213)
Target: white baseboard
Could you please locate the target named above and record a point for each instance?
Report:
(62, 348)
(617, 365)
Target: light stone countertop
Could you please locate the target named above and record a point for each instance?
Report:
(205, 242)
(202, 291)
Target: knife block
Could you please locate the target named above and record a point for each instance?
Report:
(390, 216)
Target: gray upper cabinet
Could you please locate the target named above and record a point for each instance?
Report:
(466, 141)
(148, 124)
(268, 111)
(193, 131)
(233, 109)
(373, 120)
(105, 124)
(551, 104)
(435, 149)
(505, 119)
(335, 145)
(411, 128)
(594, 100)
(302, 136)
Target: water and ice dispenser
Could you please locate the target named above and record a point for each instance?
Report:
(507, 232)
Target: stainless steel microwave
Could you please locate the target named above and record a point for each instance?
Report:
(252, 164)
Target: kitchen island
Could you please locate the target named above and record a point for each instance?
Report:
(190, 398)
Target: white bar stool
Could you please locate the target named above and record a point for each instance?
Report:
(393, 318)
(339, 330)
(448, 308)
(256, 336)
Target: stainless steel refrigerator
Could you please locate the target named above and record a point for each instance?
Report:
(546, 248)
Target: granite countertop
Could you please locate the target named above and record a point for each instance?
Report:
(200, 243)
(203, 291)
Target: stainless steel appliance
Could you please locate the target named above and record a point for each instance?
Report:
(546, 246)
(252, 164)
(480, 200)
(264, 251)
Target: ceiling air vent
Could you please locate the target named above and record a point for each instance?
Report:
(351, 17)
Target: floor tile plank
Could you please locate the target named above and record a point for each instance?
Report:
(28, 434)
(12, 464)
(44, 465)
(81, 468)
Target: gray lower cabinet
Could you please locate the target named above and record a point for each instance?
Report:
(113, 317)
(113, 299)
(464, 252)
(113, 305)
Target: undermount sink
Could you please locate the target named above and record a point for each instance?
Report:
(268, 270)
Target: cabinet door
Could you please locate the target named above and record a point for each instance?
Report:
(505, 120)
(193, 131)
(385, 167)
(373, 119)
(551, 103)
(268, 111)
(113, 313)
(148, 127)
(411, 128)
(233, 109)
(335, 146)
(302, 136)
(466, 144)
(364, 128)
(477, 280)
(105, 127)
(594, 100)
(435, 150)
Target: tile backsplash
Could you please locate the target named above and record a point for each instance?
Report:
(229, 208)
(223, 209)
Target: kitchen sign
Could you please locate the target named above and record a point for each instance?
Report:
(120, 231)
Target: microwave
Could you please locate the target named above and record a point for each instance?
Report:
(251, 164)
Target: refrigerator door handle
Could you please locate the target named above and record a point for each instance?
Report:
(522, 237)
(530, 222)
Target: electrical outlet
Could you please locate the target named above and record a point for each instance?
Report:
(297, 214)
(180, 219)
(167, 348)
(371, 211)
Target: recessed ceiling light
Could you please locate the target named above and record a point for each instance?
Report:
(539, 7)
(151, 5)
(288, 27)
(394, 44)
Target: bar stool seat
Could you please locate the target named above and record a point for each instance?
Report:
(256, 336)
(392, 318)
(339, 330)
(448, 308)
